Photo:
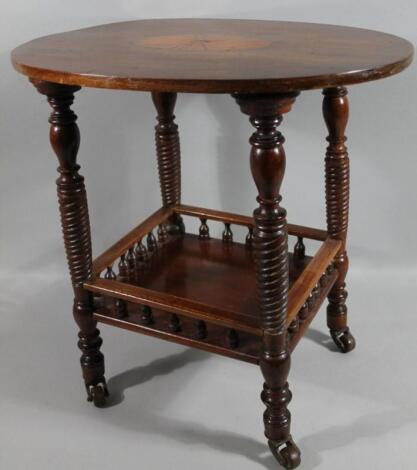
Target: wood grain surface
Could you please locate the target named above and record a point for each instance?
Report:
(213, 56)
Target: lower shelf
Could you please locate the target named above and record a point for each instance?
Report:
(201, 291)
(198, 334)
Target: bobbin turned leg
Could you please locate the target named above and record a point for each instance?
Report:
(72, 197)
(169, 156)
(336, 114)
(271, 257)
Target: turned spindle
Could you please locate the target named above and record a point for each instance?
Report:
(146, 315)
(267, 160)
(72, 198)
(303, 314)
(151, 242)
(330, 269)
(323, 279)
(249, 238)
(110, 274)
(316, 291)
(336, 114)
(174, 323)
(123, 268)
(120, 308)
(141, 254)
(233, 339)
(201, 330)
(311, 300)
(162, 233)
(299, 249)
(227, 233)
(203, 232)
(130, 260)
(294, 326)
(168, 151)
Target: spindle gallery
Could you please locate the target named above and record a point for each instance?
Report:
(250, 299)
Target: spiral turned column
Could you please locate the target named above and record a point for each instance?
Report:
(72, 198)
(168, 151)
(267, 160)
(336, 115)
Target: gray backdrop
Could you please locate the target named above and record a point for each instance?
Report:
(179, 408)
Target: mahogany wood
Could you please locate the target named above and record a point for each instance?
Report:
(176, 280)
(304, 324)
(267, 160)
(221, 216)
(120, 247)
(310, 276)
(167, 144)
(249, 352)
(336, 114)
(72, 197)
(156, 323)
(213, 56)
(249, 301)
(172, 303)
(203, 232)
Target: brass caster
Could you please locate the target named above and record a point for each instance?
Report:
(97, 394)
(344, 340)
(287, 453)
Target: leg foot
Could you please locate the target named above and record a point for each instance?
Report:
(344, 340)
(97, 394)
(287, 453)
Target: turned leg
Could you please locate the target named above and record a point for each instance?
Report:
(169, 155)
(270, 247)
(336, 114)
(72, 197)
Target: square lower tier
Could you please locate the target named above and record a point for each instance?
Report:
(200, 293)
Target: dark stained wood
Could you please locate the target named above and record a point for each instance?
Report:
(252, 301)
(310, 276)
(201, 330)
(311, 313)
(213, 56)
(129, 239)
(72, 198)
(203, 231)
(299, 248)
(168, 151)
(336, 114)
(249, 239)
(227, 233)
(159, 328)
(209, 336)
(176, 281)
(235, 219)
(151, 242)
(270, 247)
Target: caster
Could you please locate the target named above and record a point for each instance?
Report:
(97, 394)
(344, 340)
(287, 453)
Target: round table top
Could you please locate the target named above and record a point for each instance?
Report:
(213, 56)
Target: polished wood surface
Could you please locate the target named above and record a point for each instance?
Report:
(177, 276)
(213, 56)
(310, 276)
(206, 335)
(270, 246)
(167, 143)
(251, 301)
(336, 116)
(247, 221)
(121, 246)
(72, 198)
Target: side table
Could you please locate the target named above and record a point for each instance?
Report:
(251, 301)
